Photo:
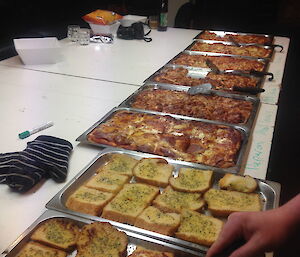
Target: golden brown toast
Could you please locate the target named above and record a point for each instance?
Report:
(199, 228)
(58, 233)
(119, 163)
(108, 181)
(245, 184)
(142, 252)
(130, 202)
(155, 220)
(100, 239)
(34, 249)
(224, 202)
(175, 201)
(192, 180)
(88, 200)
(153, 171)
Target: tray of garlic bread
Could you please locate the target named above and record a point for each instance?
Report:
(61, 235)
(162, 198)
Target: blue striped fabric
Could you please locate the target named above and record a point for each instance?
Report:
(44, 157)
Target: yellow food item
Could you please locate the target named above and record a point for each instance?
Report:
(155, 220)
(224, 202)
(175, 201)
(57, 233)
(108, 181)
(142, 252)
(130, 202)
(100, 239)
(233, 182)
(192, 180)
(33, 249)
(153, 171)
(199, 228)
(88, 200)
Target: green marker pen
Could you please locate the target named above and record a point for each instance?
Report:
(28, 133)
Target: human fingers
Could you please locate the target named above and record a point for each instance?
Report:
(253, 248)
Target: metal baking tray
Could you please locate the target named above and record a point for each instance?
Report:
(127, 103)
(195, 72)
(223, 33)
(245, 133)
(133, 238)
(265, 62)
(269, 57)
(269, 192)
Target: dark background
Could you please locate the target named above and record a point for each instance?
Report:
(50, 18)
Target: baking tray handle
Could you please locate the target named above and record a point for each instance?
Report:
(250, 90)
(280, 46)
(262, 73)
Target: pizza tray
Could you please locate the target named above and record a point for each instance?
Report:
(269, 57)
(133, 238)
(127, 103)
(264, 62)
(245, 133)
(221, 33)
(269, 193)
(195, 72)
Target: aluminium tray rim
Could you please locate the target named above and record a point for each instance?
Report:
(237, 33)
(51, 213)
(56, 204)
(266, 62)
(245, 133)
(188, 48)
(259, 84)
(151, 85)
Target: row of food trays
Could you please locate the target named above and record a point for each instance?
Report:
(144, 204)
(168, 165)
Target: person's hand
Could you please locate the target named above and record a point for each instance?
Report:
(261, 231)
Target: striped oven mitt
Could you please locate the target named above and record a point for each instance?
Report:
(44, 157)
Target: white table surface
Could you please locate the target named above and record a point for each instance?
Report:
(124, 61)
(33, 95)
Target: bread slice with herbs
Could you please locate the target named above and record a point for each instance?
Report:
(174, 201)
(101, 239)
(192, 180)
(119, 163)
(224, 202)
(143, 252)
(155, 220)
(199, 228)
(153, 171)
(245, 184)
(108, 181)
(34, 249)
(130, 202)
(58, 233)
(88, 200)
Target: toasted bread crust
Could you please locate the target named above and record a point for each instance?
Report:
(223, 202)
(130, 202)
(88, 200)
(199, 228)
(175, 201)
(154, 220)
(100, 239)
(119, 163)
(58, 233)
(192, 180)
(34, 249)
(142, 252)
(245, 184)
(107, 181)
(153, 171)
